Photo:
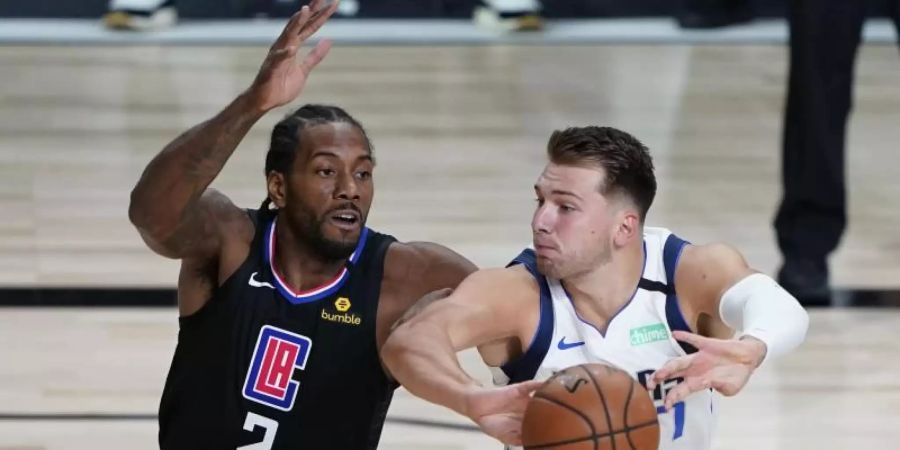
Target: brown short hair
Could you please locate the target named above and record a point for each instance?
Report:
(626, 161)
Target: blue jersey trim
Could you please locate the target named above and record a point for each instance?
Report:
(311, 295)
(671, 255)
(526, 367)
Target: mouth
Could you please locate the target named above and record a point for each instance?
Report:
(542, 244)
(543, 249)
(345, 219)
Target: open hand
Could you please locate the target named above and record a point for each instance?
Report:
(721, 364)
(281, 77)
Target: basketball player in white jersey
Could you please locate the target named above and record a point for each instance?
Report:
(599, 287)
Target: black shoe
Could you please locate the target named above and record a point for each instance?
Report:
(707, 14)
(807, 280)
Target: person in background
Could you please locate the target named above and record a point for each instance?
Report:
(140, 14)
(824, 37)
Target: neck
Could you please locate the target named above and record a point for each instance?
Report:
(601, 292)
(299, 265)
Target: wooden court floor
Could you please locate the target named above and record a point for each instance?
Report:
(839, 392)
(459, 134)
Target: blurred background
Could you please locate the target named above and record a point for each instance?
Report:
(745, 106)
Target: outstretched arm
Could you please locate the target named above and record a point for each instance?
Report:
(167, 205)
(490, 305)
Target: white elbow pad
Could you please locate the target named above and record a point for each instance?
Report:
(757, 306)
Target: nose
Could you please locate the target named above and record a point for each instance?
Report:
(346, 188)
(543, 219)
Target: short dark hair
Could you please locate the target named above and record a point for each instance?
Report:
(285, 140)
(626, 161)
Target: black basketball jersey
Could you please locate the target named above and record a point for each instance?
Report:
(264, 367)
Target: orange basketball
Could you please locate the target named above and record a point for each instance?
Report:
(591, 407)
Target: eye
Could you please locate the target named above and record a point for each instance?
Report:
(539, 201)
(325, 172)
(567, 208)
(364, 175)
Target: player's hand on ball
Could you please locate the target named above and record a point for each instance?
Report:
(281, 77)
(499, 410)
(721, 364)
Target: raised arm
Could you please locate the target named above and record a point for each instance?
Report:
(168, 205)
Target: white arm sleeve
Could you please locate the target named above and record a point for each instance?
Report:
(757, 306)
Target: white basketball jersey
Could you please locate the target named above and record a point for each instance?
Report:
(638, 340)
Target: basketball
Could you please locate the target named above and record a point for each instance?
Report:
(591, 406)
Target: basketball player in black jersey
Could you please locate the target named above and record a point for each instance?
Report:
(283, 309)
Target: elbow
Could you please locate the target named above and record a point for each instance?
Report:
(149, 227)
(141, 215)
(137, 213)
(140, 207)
(149, 216)
(792, 323)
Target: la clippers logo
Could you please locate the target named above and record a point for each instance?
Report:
(277, 354)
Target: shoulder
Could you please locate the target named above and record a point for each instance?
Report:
(206, 226)
(419, 252)
(214, 254)
(709, 259)
(236, 227)
(229, 217)
(412, 271)
(434, 266)
(212, 230)
(705, 272)
(221, 221)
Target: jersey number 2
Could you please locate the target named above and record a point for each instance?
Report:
(255, 420)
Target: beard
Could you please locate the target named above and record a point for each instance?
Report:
(312, 232)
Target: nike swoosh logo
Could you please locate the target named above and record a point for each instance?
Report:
(563, 345)
(253, 282)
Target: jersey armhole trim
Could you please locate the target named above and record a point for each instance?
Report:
(671, 255)
(526, 366)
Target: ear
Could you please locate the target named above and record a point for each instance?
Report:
(629, 227)
(275, 183)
